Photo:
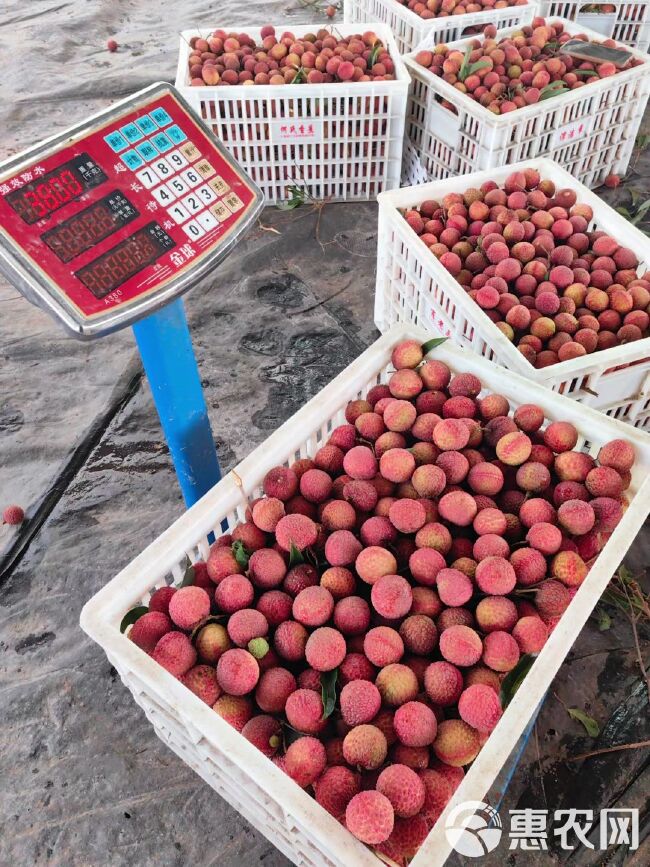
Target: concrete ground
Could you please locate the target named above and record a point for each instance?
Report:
(85, 783)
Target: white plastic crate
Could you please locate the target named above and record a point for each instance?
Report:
(629, 23)
(341, 141)
(273, 803)
(409, 29)
(590, 131)
(413, 287)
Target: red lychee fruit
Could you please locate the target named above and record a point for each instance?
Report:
(365, 746)
(305, 761)
(175, 652)
(530, 633)
(237, 672)
(13, 515)
(480, 708)
(304, 711)
(500, 651)
(391, 596)
(147, 630)
(403, 788)
(415, 724)
(273, 689)
(370, 817)
(265, 733)
(383, 646)
(461, 645)
(335, 788)
(325, 649)
(397, 684)
(456, 743)
(298, 530)
(236, 710)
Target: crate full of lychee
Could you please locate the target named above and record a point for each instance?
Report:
(413, 21)
(526, 266)
(308, 112)
(539, 90)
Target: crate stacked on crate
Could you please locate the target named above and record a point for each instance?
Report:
(590, 130)
(626, 21)
(411, 25)
(340, 141)
(414, 287)
(287, 814)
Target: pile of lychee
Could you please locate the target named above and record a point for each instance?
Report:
(445, 8)
(357, 626)
(316, 58)
(525, 253)
(511, 72)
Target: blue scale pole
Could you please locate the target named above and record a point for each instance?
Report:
(165, 345)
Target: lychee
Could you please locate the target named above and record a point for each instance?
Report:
(458, 507)
(415, 724)
(233, 593)
(266, 567)
(552, 599)
(369, 817)
(147, 630)
(461, 645)
(304, 711)
(407, 516)
(280, 483)
(265, 733)
(360, 702)
(391, 596)
(342, 548)
(211, 642)
(273, 689)
(352, 615)
(175, 652)
(403, 788)
(325, 649)
(365, 746)
(500, 651)
(236, 710)
(495, 576)
(383, 646)
(290, 640)
(298, 530)
(456, 743)
(479, 707)
(313, 606)
(617, 454)
(545, 538)
(397, 684)
(419, 634)
(305, 761)
(569, 568)
(530, 633)
(454, 587)
(237, 672)
(374, 562)
(335, 788)
(576, 516)
(245, 625)
(267, 512)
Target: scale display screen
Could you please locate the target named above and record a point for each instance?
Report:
(122, 212)
(38, 199)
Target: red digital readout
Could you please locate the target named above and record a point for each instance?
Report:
(85, 229)
(109, 271)
(40, 198)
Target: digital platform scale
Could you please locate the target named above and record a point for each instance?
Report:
(114, 219)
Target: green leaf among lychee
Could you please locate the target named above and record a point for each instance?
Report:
(131, 616)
